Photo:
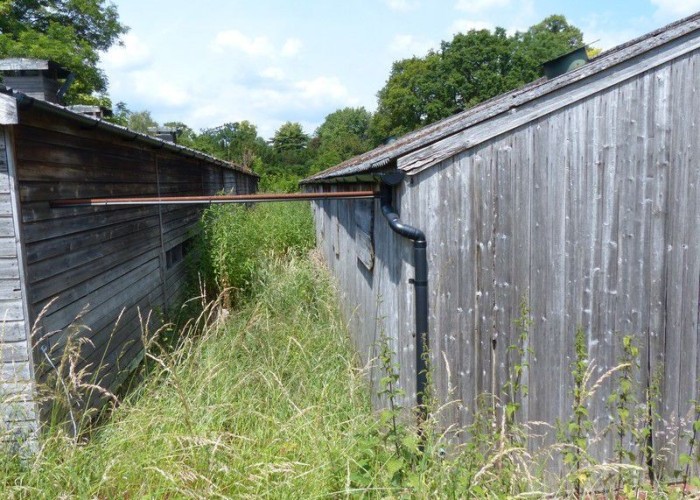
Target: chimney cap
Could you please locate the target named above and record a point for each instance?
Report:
(27, 64)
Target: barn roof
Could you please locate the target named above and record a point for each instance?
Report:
(429, 145)
(12, 104)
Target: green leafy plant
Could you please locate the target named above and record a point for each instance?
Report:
(579, 426)
(237, 242)
(686, 460)
(514, 389)
(622, 402)
(644, 433)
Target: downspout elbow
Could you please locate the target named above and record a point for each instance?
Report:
(410, 232)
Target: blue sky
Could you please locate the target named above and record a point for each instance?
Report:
(209, 62)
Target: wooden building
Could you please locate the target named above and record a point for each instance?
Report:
(577, 196)
(105, 266)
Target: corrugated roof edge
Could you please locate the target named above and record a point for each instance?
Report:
(372, 160)
(24, 102)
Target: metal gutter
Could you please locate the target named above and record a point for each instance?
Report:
(210, 200)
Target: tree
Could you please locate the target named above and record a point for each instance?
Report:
(542, 42)
(234, 141)
(120, 114)
(141, 121)
(70, 32)
(342, 135)
(290, 137)
(465, 71)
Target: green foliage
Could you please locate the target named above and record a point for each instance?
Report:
(269, 405)
(465, 71)
(237, 142)
(514, 389)
(623, 400)
(70, 32)
(279, 183)
(238, 241)
(290, 137)
(692, 456)
(185, 133)
(343, 134)
(577, 429)
(141, 121)
(650, 420)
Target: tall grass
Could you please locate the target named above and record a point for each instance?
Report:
(238, 241)
(268, 403)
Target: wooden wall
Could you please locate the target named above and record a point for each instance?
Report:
(590, 215)
(17, 409)
(97, 272)
(36, 85)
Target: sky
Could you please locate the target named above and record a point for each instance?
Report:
(209, 62)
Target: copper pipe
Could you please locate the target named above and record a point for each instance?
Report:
(191, 200)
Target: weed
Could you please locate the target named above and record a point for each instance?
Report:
(514, 389)
(685, 460)
(622, 402)
(649, 421)
(237, 241)
(579, 426)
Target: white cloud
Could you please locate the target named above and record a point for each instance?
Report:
(291, 47)
(488, 14)
(237, 41)
(267, 103)
(402, 5)
(154, 87)
(408, 45)
(322, 89)
(132, 54)
(273, 73)
(675, 8)
(477, 6)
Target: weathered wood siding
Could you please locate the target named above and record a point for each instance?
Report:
(99, 272)
(589, 214)
(17, 408)
(37, 86)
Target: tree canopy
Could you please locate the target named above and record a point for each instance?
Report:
(342, 135)
(70, 32)
(465, 71)
(237, 142)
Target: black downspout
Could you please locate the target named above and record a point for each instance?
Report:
(420, 283)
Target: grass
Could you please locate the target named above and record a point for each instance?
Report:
(269, 403)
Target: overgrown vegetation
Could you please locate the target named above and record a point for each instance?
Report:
(237, 242)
